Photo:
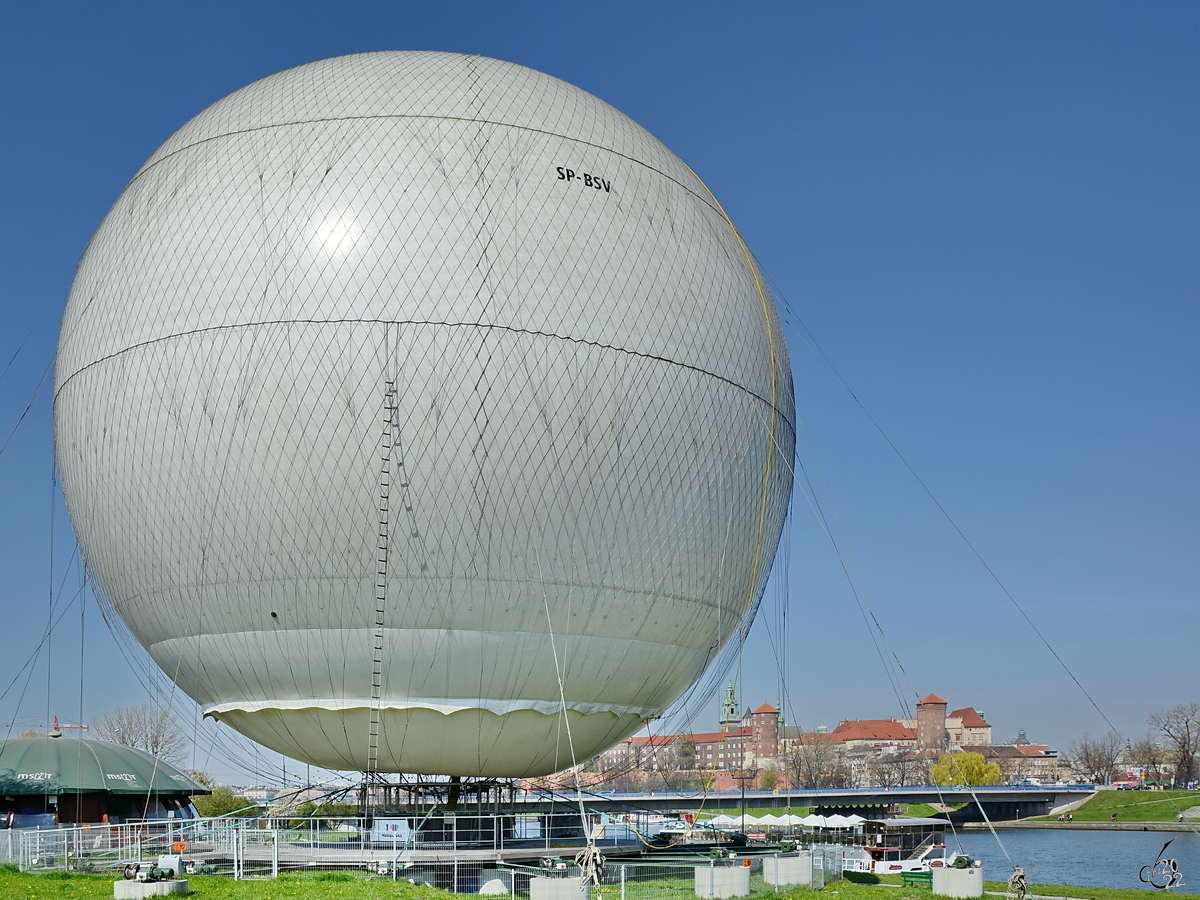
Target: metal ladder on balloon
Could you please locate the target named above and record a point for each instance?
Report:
(381, 577)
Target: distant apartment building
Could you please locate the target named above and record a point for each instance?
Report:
(749, 742)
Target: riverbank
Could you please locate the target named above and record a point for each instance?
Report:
(847, 890)
(1036, 824)
(1131, 806)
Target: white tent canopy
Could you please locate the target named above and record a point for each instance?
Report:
(834, 821)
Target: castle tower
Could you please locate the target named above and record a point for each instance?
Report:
(764, 732)
(931, 723)
(729, 715)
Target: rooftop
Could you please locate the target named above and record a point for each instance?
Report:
(868, 730)
(970, 717)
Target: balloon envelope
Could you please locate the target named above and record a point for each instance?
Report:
(421, 412)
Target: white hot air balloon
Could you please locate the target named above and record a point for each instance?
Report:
(421, 412)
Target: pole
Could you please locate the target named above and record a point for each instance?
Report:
(275, 854)
(623, 868)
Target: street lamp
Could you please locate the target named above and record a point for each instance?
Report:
(742, 777)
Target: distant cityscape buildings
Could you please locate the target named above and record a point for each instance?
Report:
(756, 747)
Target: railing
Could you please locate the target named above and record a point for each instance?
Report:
(777, 793)
(460, 853)
(263, 847)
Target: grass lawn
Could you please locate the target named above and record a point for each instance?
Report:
(322, 886)
(759, 811)
(339, 886)
(1134, 806)
(925, 811)
(849, 891)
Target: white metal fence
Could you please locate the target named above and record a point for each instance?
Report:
(460, 853)
(265, 847)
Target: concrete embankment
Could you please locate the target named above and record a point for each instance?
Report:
(1084, 826)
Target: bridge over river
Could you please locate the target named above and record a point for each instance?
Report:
(999, 802)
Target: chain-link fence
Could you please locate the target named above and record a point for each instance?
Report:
(683, 879)
(10, 847)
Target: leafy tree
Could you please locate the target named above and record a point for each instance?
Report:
(222, 802)
(143, 728)
(327, 809)
(964, 768)
(767, 781)
(1180, 725)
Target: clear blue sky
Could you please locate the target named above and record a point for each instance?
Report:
(987, 215)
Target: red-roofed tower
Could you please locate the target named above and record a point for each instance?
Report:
(764, 731)
(931, 723)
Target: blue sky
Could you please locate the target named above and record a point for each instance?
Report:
(986, 214)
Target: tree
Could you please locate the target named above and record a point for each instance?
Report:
(222, 802)
(1151, 756)
(1180, 725)
(964, 768)
(767, 781)
(685, 750)
(327, 809)
(821, 763)
(143, 728)
(900, 769)
(1096, 758)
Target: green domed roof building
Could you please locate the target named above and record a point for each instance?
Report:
(52, 780)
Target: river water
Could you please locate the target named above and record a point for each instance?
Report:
(1067, 856)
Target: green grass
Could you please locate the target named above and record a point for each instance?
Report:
(1134, 806)
(925, 811)
(317, 886)
(760, 811)
(346, 886)
(847, 890)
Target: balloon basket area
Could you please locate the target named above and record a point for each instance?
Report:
(527, 855)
